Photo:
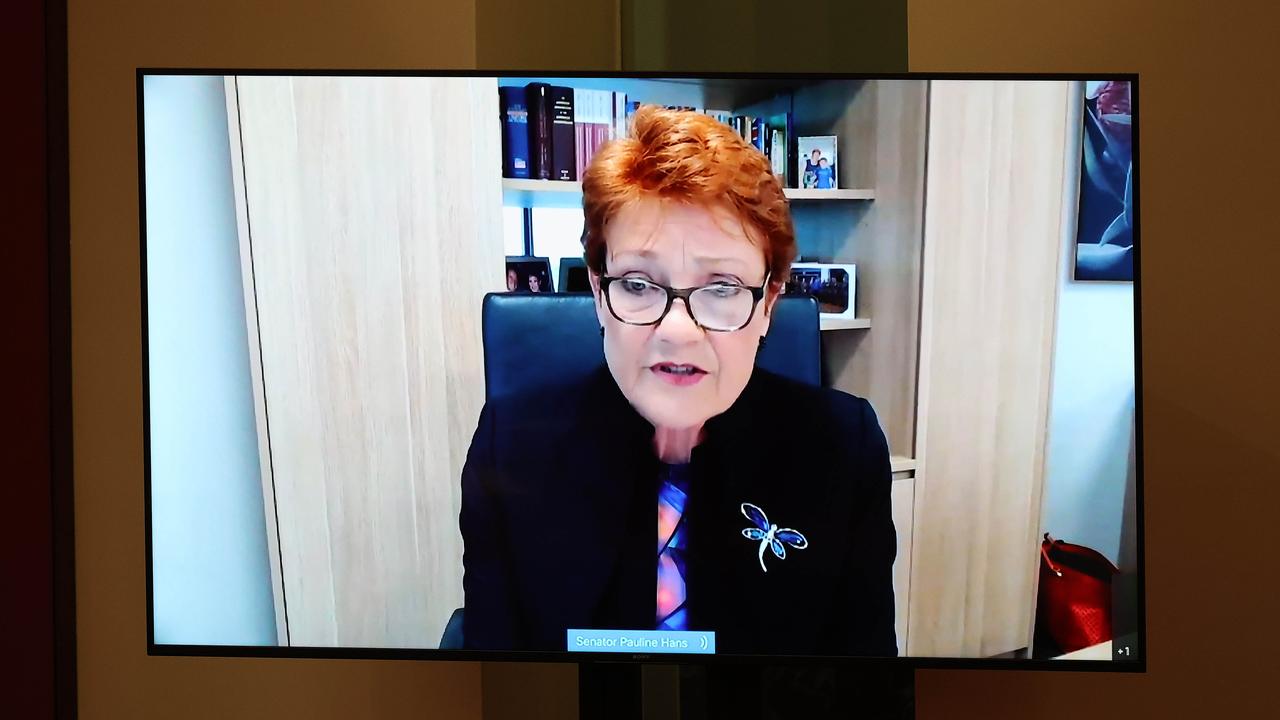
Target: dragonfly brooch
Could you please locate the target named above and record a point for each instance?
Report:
(769, 535)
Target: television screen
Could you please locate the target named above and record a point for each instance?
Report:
(375, 429)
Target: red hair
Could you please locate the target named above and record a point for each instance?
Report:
(694, 158)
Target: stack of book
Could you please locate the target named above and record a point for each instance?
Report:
(599, 116)
(770, 135)
(551, 132)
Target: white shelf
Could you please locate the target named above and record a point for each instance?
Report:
(833, 323)
(568, 193)
(829, 195)
(552, 186)
(541, 193)
(899, 464)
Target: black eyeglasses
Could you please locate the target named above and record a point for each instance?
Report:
(718, 307)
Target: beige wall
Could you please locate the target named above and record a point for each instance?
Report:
(106, 42)
(547, 35)
(764, 35)
(1209, 154)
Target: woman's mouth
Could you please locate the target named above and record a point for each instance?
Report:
(678, 374)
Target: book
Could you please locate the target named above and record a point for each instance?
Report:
(599, 121)
(620, 115)
(604, 119)
(777, 129)
(790, 156)
(514, 116)
(563, 153)
(592, 121)
(537, 97)
(579, 132)
(632, 106)
(723, 116)
(778, 153)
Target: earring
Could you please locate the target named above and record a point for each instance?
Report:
(601, 331)
(761, 347)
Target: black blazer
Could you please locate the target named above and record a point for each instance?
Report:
(559, 521)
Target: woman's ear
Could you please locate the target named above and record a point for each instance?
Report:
(771, 294)
(594, 279)
(602, 312)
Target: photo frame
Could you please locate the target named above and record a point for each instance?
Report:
(573, 275)
(817, 162)
(529, 274)
(833, 285)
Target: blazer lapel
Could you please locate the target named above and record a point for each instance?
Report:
(727, 467)
(743, 462)
(602, 530)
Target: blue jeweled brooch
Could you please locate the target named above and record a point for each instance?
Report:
(770, 536)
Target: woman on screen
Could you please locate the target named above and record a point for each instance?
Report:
(676, 487)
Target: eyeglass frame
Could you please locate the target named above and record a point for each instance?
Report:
(757, 294)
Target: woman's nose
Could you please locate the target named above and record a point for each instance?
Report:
(678, 326)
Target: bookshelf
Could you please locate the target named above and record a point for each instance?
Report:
(832, 323)
(568, 193)
(899, 464)
(802, 195)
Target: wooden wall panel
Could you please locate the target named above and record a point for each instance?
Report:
(889, 255)
(369, 208)
(881, 130)
(993, 223)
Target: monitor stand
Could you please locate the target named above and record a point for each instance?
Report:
(743, 691)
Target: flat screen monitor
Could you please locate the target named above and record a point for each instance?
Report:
(847, 369)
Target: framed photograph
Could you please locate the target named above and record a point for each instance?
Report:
(529, 274)
(1104, 226)
(573, 275)
(816, 162)
(833, 286)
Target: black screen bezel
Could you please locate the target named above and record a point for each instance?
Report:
(1137, 665)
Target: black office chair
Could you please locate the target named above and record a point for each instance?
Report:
(533, 340)
(536, 339)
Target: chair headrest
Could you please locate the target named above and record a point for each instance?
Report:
(532, 340)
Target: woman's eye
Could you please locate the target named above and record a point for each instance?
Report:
(723, 291)
(635, 286)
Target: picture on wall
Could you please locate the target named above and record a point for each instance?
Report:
(816, 162)
(1104, 229)
(529, 274)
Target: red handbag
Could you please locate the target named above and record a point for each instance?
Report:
(1073, 610)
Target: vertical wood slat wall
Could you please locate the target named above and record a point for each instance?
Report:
(365, 289)
(881, 126)
(993, 226)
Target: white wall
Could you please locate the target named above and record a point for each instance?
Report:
(211, 576)
(1091, 416)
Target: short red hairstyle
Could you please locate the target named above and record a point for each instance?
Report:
(694, 158)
